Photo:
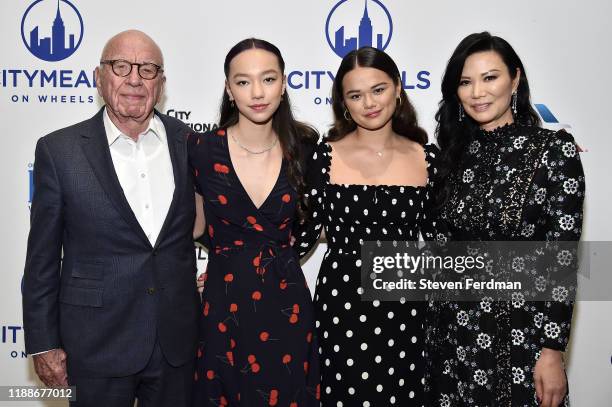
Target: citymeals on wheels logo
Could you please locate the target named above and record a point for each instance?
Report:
(346, 33)
(52, 39)
(352, 24)
(52, 31)
(11, 342)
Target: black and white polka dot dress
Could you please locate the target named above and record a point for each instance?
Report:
(371, 352)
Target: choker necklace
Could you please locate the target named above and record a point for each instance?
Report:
(248, 150)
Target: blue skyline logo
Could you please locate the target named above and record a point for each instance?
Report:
(345, 31)
(52, 30)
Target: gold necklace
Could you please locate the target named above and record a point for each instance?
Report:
(248, 150)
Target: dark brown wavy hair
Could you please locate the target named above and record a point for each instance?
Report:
(296, 138)
(404, 121)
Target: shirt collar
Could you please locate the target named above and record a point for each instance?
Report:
(113, 132)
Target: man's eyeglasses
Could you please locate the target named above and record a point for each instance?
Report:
(123, 68)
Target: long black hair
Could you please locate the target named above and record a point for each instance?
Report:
(453, 135)
(295, 137)
(404, 121)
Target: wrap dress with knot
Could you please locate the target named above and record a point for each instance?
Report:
(257, 340)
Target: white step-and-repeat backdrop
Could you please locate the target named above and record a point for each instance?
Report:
(562, 43)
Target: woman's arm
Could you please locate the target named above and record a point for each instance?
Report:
(564, 203)
(308, 231)
(200, 220)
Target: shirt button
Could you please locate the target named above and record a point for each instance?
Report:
(147, 206)
(150, 290)
(143, 175)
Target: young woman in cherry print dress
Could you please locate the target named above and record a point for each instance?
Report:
(258, 343)
(372, 179)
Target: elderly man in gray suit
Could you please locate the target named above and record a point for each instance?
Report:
(117, 316)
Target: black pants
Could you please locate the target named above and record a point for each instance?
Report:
(158, 385)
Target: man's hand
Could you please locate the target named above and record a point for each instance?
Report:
(51, 368)
(549, 378)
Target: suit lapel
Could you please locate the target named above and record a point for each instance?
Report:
(95, 147)
(178, 156)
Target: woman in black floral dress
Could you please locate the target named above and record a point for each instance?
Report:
(372, 179)
(508, 180)
(257, 342)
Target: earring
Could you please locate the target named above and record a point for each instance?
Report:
(461, 114)
(399, 100)
(514, 101)
(232, 102)
(347, 115)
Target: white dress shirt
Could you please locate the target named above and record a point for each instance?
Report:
(145, 173)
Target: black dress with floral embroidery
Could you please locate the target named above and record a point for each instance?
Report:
(514, 183)
(257, 339)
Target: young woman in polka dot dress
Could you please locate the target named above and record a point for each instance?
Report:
(258, 340)
(371, 179)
